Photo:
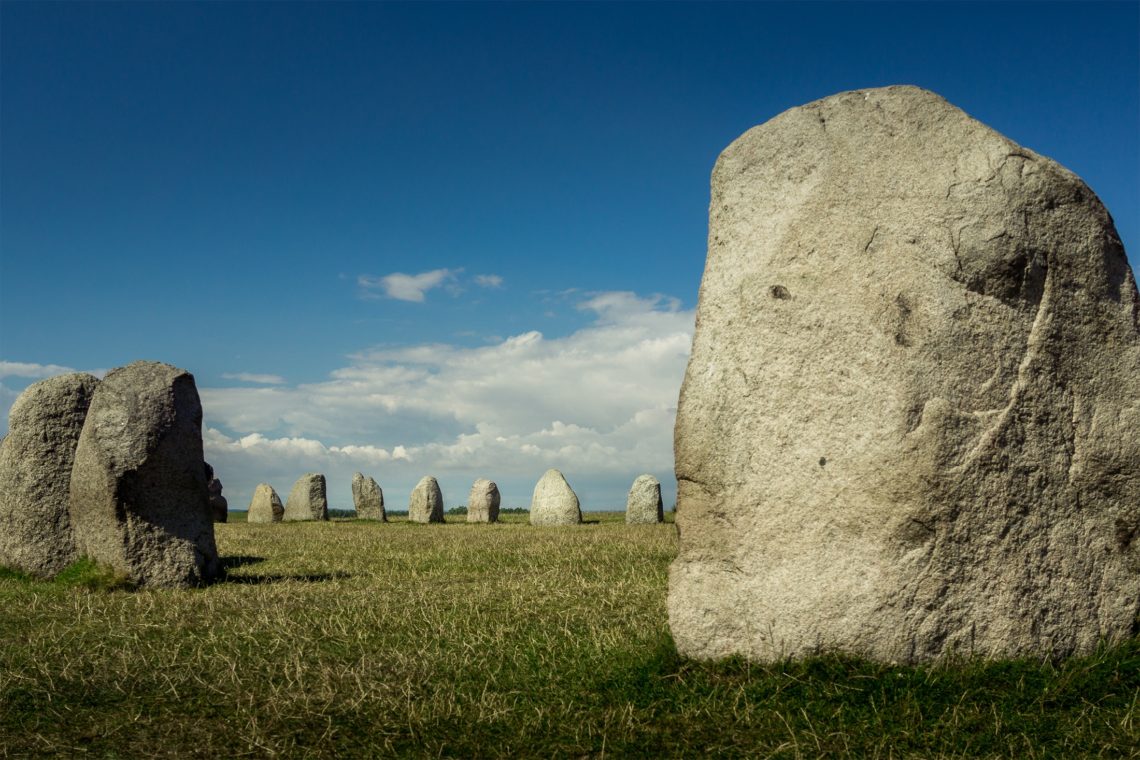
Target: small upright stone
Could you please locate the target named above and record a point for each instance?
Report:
(554, 501)
(644, 502)
(368, 498)
(307, 500)
(35, 473)
(138, 499)
(219, 507)
(265, 507)
(426, 503)
(483, 502)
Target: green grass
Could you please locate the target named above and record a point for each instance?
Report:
(353, 638)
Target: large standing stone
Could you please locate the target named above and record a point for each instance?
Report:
(483, 502)
(554, 501)
(368, 498)
(138, 500)
(426, 503)
(909, 421)
(265, 506)
(35, 473)
(644, 502)
(307, 500)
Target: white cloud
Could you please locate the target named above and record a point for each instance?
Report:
(31, 370)
(598, 404)
(406, 287)
(488, 280)
(249, 377)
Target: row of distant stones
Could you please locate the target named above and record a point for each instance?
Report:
(554, 501)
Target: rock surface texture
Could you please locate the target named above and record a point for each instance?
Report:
(367, 498)
(644, 502)
(426, 502)
(307, 500)
(483, 502)
(554, 501)
(138, 500)
(36, 457)
(909, 423)
(265, 506)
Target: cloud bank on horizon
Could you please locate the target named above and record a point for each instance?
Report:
(598, 404)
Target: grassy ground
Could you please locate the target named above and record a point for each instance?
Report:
(359, 639)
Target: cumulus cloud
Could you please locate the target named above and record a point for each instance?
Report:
(250, 377)
(598, 404)
(405, 287)
(488, 280)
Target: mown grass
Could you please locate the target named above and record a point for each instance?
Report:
(360, 639)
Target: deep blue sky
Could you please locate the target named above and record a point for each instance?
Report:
(205, 183)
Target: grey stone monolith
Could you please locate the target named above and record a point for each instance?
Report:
(138, 500)
(265, 506)
(908, 427)
(368, 498)
(219, 506)
(644, 502)
(426, 502)
(307, 500)
(36, 458)
(554, 501)
(483, 502)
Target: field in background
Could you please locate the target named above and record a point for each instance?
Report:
(351, 638)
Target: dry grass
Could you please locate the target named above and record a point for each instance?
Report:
(359, 639)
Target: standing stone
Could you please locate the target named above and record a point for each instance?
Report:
(368, 498)
(138, 500)
(644, 502)
(265, 506)
(483, 502)
(35, 473)
(219, 507)
(554, 501)
(426, 503)
(908, 427)
(307, 499)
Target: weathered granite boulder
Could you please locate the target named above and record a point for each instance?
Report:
(908, 426)
(554, 501)
(368, 498)
(483, 502)
(138, 500)
(644, 502)
(219, 507)
(36, 457)
(426, 503)
(265, 506)
(307, 500)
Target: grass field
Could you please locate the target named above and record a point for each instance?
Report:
(360, 639)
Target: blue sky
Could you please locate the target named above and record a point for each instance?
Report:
(461, 239)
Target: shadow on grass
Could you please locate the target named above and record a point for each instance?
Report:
(259, 580)
(239, 560)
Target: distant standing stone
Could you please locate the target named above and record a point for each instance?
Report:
(368, 498)
(554, 501)
(426, 504)
(219, 507)
(35, 473)
(307, 500)
(483, 502)
(265, 507)
(138, 499)
(644, 502)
